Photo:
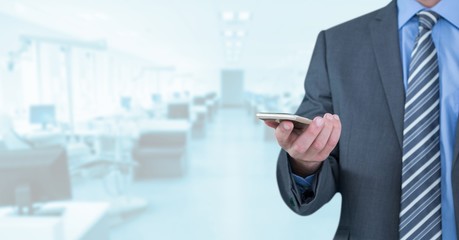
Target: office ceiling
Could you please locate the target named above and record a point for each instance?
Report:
(191, 34)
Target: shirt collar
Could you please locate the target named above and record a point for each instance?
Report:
(448, 9)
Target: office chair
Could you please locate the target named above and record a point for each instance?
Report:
(11, 139)
(112, 164)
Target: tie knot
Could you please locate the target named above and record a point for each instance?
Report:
(427, 19)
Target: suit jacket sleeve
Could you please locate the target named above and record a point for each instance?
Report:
(317, 101)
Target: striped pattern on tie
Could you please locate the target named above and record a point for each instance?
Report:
(420, 212)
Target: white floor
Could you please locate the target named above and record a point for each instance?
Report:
(228, 192)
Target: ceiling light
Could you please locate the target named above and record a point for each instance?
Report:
(228, 16)
(229, 44)
(240, 33)
(244, 16)
(228, 33)
(238, 44)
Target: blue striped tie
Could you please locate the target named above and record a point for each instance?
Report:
(420, 212)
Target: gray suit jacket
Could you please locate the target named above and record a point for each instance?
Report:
(356, 72)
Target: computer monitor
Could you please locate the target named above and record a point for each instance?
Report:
(43, 114)
(156, 98)
(126, 102)
(32, 176)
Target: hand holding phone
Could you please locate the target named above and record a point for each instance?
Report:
(309, 146)
(298, 121)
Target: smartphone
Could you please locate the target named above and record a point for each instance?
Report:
(298, 121)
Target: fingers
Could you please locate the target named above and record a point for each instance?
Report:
(333, 139)
(321, 140)
(271, 124)
(318, 140)
(283, 134)
(304, 141)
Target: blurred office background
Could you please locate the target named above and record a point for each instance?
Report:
(135, 119)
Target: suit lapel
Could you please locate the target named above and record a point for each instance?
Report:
(384, 34)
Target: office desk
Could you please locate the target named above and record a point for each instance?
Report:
(81, 220)
(160, 148)
(200, 115)
(164, 125)
(44, 138)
